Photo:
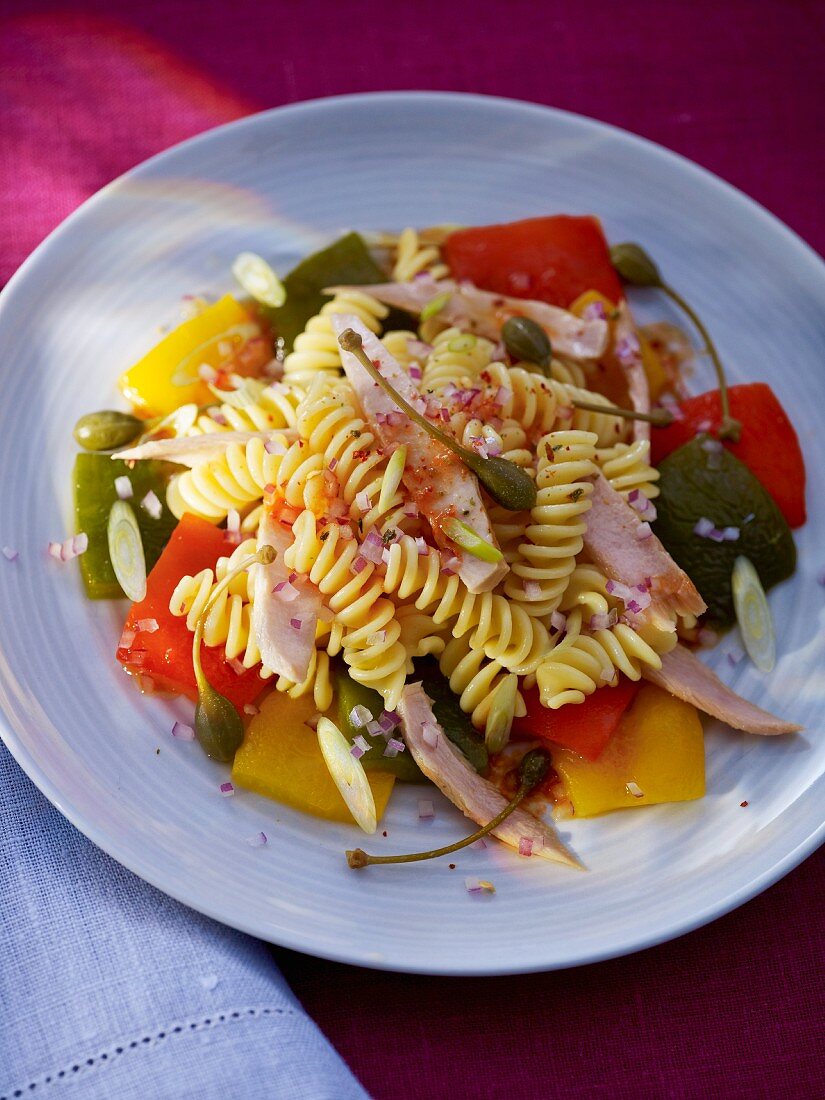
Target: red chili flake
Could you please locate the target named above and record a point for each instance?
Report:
(360, 454)
(384, 833)
(743, 803)
(452, 866)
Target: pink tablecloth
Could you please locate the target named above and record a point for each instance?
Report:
(92, 88)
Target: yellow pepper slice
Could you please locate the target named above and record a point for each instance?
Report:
(589, 298)
(281, 759)
(656, 755)
(167, 376)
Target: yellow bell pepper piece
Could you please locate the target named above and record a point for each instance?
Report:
(167, 376)
(281, 759)
(657, 379)
(658, 749)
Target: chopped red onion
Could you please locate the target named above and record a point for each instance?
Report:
(270, 489)
(285, 591)
(56, 550)
(313, 720)
(388, 720)
(479, 844)
(604, 621)
(227, 790)
(478, 886)
(644, 531)
(149, 626)
(275, 447)
(123, 487)
(233, 520)
(237, 666)
(607, 674)
(251, 709)
(558, 621)
(126, 638)
(735, 655)
(703, 527)
(419, 348)
(358, 564)
(10, 554)
(730, 534)
(256, 841)
(430, 736)
(378, 637)
(503, 396)
(207, 373)
(444, 415)
(525, 846)
(296, 624)
(532, 590)
(151, 505)
(635, 790)
(451, 566)
(748, 518)
(362, 744)
(182, 732)
(426, 810)
(595, 311)
(345, 531)
(420, 546)
(411, 509)
(333, 462)
(642, 504)
(363, 501)
(627, 349)
(360, 716)
(415, 372)
(703, 426)
(372, 546)
(564, 412)
(394, 747)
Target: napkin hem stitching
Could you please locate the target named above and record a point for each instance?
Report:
(116, 1050)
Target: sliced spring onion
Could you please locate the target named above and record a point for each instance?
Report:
(258, 279)
(392, 478)
(126, 551)
(469, 540)
(500, 716)
(753, 614)
(348, 774)
(434, 306)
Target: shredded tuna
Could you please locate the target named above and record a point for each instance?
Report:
(438, 481)
(191, 450)
(284, 649)
(628, 354)
(484, 313)
(474, 796)
(686, 677)
(612, 543)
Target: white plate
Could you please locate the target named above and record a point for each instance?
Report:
(88, 303)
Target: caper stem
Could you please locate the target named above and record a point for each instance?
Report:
(659, 417)
(358, 858)
(730, 428)
(532, 770)
(351, 341)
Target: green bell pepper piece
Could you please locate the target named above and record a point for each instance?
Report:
(452, 719)
(697, 483)
(94, 494)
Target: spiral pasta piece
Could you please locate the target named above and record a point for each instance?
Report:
(318, 681)
(412, 258)
(555, 536)
(254, 407)
(316, 348)
(456, 357)
(371, 632)
(582, 662)
(228, 622)
(502, 630)
(475, 678)
(405, 348)
(627, 467)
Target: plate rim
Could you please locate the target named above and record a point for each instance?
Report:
(97, 834)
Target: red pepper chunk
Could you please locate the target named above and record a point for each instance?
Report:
(586, 727)
(165, 654)
(768, 445)
(552, 259)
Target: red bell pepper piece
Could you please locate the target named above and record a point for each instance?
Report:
(587, 727)
(768, 445)
(552, 259)
(165, 654)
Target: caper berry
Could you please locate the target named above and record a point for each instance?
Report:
(525, 339)
(106, 430)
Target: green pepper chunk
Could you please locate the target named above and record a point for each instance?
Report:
(350, 694)
(93, 482)
(702, 480)
(452, 719)
(347, 262)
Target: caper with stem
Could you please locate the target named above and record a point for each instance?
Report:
(532, 770)
(218, 725)
(506, 483)
(637, 268)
